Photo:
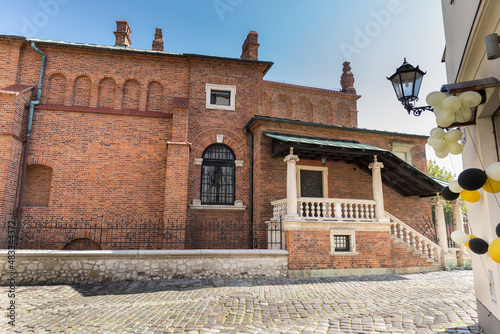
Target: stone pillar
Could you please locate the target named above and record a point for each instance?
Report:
(291, 186)
(463, 257)
(441, 224)
(448, 260)
(378, 193)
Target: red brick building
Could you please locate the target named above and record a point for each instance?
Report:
(170, 137)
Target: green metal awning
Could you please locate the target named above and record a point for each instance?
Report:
(397, 174)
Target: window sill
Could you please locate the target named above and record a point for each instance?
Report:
(220, 107)
(218, 207)
(344, 253)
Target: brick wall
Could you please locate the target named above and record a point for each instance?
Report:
(347, 181)
(310, 250)
(309, 104)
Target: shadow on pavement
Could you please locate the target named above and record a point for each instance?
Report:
(135, 287)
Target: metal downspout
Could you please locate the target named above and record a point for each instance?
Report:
(28, 137)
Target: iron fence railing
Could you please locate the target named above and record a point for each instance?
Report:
(120, 234)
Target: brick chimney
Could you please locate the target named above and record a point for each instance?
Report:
(158, 41)
(122, 34)
(250, 48)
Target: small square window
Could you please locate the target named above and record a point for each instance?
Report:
(220, 96)
(342, 243)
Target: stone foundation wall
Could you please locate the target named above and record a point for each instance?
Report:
(63, 267)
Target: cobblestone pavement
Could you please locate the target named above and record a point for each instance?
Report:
(436, 302)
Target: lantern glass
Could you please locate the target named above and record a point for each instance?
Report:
(406, 82)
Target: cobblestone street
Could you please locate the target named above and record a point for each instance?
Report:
(433, 302)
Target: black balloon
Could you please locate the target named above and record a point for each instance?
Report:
(478, 246)
(498, 230)
(472, 179)
(449, 195)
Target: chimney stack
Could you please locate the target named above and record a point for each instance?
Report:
(158, 41)
(250, 48)
(122, 34)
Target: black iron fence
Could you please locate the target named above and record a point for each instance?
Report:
(135, 235)
(427, 226)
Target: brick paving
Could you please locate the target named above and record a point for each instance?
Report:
(435, 302)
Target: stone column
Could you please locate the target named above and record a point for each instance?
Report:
(463, 258)
(291, 186)
(441, 224)
(378, 193)
(448, 260)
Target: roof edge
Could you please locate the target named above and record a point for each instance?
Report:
(293, 121)
(267, 64)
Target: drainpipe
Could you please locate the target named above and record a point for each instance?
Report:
(28, 137)
(250, 197)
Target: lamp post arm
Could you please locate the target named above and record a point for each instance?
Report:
(417, 110)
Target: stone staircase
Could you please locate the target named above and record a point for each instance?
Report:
(415, 242)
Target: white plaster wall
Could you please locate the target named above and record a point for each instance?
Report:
(468, 61)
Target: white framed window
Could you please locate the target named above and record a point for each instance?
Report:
(220, 96)
(402, 150)
(312, 181)
(342, 242)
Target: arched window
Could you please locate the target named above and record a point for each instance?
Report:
(217, 175)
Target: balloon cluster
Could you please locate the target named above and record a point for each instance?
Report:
(449, 109)
(470, 181)
(444, 143)
(478, 245)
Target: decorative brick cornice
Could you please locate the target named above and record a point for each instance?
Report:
(100, 110)
(15, 89)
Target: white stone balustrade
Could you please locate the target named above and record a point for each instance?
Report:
(414, 239)
(331, 209)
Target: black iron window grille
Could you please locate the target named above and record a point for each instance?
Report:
(217, 175)
(342, 243)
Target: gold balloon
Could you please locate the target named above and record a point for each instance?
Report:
(492, 186)
(470, 196)
(494, 250)
(472, 236)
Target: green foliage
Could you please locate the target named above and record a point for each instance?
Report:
(439, 172)
(435, 171)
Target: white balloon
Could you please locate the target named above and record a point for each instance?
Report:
(431, 141)
(437, 110)
(445, 118)
(437, 133)
(435, 99)
(463, 114)
(493, 171)
(452, 103)
(460, 237)
(442, 154)
(470, 99)
(455, 148)
(440, 145)
(455, 187)
(453, 135)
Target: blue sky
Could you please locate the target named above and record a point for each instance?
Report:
(307, 40)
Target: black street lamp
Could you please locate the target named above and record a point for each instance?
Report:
(406, 82)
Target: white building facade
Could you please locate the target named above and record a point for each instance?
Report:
(466, 25)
